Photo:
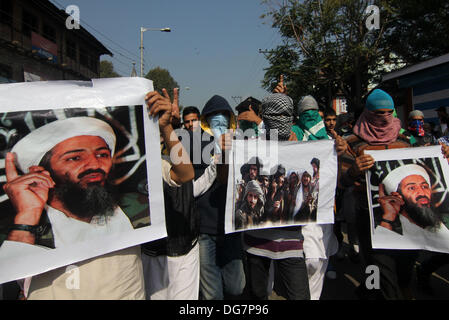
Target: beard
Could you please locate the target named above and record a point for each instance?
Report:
(425, 217)
(86, 202)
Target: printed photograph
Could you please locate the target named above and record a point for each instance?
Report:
(409, 201)
(285, 197)
(72, 175)
(410, 191)
(276, 184)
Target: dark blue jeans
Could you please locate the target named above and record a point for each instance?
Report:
(221, 266)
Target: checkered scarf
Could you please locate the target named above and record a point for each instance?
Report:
(277, 114)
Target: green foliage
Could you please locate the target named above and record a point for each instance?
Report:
(107, 70)
(327, 49)
(162, 79)
(420, 29)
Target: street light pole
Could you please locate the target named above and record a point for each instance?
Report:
(142, 30)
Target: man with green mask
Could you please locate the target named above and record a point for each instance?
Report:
(309, 125)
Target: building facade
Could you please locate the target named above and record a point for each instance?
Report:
(426, 85)
(35, 44)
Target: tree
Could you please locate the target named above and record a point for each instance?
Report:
(327, 48)
(162, 79)
(107, 70)
(419, 30)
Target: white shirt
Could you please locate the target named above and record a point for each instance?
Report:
(68, 230)
(413, 237)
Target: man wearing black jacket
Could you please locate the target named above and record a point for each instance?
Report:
(221, 271)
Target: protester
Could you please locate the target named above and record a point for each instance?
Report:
(247, 123)
(416, 130)
(191, 118)
(171, 265)
(330, 120)
(116, 275)
(319, 240)
(376, 128)
(221, 267)
(345, 123)
(269, 245)
(343, 196)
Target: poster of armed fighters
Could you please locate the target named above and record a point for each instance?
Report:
(408, 198)
(280, 184)
(75, 180)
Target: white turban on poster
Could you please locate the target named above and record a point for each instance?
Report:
(394, 178)
(31, 149)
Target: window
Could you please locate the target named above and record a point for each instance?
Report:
(29, 23)
(6, 11)
(49, 33)
(71, 49)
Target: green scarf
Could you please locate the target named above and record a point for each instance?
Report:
(310, 126)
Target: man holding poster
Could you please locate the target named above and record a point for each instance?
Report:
(66, 175)
(58, 182)
(377, 129)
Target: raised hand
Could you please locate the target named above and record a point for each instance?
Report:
(340, 144)
(160, 105)
(281, 87)
(175, 113)
(250, 116)
(28, 193)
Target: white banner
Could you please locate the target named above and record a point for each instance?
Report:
(408, 199)
(279, 184)
(79, 173)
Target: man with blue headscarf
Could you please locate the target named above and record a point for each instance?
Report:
(221, 267)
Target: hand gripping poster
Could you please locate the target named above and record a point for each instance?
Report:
(75, 158)
(408, 199)
(279, 184)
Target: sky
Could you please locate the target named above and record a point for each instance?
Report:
(213, 47)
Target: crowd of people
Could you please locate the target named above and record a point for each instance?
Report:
(198, 260)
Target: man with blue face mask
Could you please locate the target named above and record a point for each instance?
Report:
(221, 267)
(219, 124)
(416, 130)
